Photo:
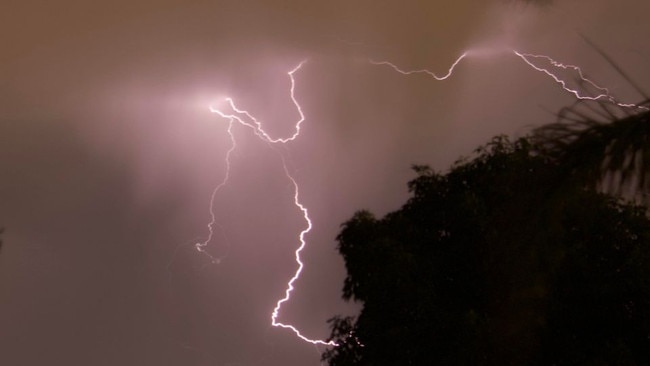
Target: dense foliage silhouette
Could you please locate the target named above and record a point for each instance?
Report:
(507, 259)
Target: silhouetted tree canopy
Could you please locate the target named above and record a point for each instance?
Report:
(503, 260)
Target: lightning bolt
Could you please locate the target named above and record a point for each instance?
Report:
(245, 118)
(290, 288)
(422, 71)
(201, 246)
(602, 92)
(256, 124)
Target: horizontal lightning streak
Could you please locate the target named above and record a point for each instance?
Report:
(604, 93)
(422, 71)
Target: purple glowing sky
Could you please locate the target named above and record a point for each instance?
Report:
(109, 155)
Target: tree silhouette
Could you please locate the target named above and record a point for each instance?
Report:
(606, 145)
(504, 260)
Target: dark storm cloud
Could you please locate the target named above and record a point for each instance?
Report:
(109, 155)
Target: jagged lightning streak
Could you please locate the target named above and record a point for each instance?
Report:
(602, 94)
(200, 246)
(422, 71)
(245, 118)
(290, 288)
(257, 124)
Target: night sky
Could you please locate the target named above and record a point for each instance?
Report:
(109, 155)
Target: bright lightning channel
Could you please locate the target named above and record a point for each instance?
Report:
(245, 118)
(256, 124)
(423, 71)
(290, 288)
(603, 93)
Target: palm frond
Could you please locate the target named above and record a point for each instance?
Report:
(605, 144)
